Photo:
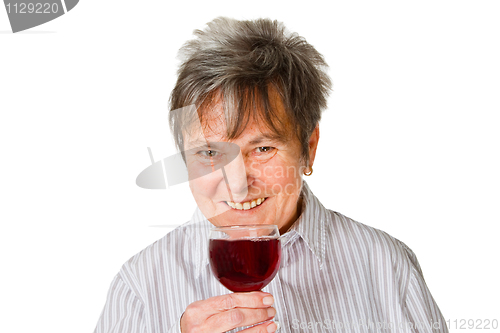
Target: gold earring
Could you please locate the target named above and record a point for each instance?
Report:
(310, 172)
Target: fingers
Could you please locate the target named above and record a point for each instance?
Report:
(267, 327)
(214, 305)
(240, 317)
(223, 313)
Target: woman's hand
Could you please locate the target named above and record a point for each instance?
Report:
(224, 313)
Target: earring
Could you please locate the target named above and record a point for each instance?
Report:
(310, 172)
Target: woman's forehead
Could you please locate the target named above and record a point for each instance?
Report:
(215, 130)
(216, 120)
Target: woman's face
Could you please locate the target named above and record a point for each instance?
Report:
(259, 183)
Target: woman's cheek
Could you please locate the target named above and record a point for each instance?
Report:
(282, 179)
(207, 185)
(254, 169)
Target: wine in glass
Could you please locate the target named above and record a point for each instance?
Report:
(245, 258)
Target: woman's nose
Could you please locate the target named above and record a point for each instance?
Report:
(236, 178)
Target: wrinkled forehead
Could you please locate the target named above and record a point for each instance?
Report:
(217, 119)
(205, 125)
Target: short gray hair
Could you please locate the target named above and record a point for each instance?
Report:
(238, 62)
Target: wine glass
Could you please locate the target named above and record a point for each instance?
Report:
(245, 258)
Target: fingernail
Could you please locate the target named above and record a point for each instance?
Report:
(268, 300)
(271, 312)
(272, 328)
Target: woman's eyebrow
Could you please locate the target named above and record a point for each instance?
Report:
(267, 137)
(195, 142)
(255, 141)
(200, 144)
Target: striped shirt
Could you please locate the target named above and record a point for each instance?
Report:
(335, 275)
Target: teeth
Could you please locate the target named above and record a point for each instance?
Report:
(246, 205)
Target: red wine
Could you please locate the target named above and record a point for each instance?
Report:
(245, 264)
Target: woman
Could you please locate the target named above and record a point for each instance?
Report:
(257, 87)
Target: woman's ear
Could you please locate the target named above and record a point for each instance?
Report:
(313, 145)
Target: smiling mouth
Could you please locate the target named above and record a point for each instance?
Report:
(245, 205)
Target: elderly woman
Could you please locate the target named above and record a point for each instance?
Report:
(253, 85)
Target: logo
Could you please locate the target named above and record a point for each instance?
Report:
(26, 14)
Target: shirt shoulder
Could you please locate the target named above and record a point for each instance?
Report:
(373, 245)
(170, 257)
(380, 254)
(158, 249)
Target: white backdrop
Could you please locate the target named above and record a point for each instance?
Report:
(409, 144)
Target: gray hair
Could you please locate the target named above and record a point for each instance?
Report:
(238, 63)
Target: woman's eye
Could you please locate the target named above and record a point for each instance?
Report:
(208, 153)
(264, 154)
(264, 149)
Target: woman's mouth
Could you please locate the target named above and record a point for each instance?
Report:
(245, 205)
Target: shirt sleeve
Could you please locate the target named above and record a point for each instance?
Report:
(422, 311)
(123, 312)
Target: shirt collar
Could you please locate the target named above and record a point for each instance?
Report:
(310, 226)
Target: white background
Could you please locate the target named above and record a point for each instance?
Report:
(409, 143)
